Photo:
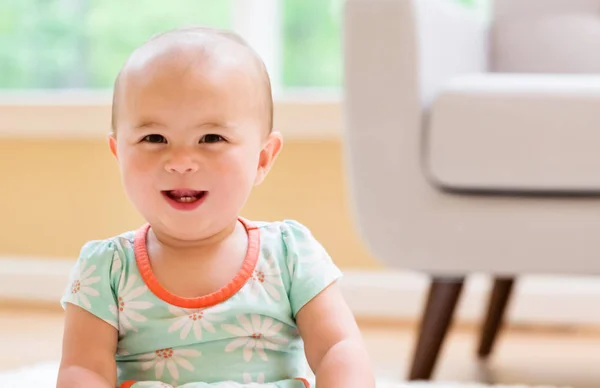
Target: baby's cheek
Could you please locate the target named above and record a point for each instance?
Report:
(235, 178)
(142, 162)
(139, 174)
(236, 162)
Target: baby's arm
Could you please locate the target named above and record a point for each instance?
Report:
(89, 346)
(333, 342)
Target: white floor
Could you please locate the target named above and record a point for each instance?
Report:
(44, 376)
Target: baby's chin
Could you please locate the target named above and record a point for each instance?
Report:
(188, 230)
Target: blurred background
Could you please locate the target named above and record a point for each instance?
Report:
(60, 58)
(83, 43)
(61, 186)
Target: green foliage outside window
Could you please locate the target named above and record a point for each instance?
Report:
(312, 52)
(51, 44)
(58, 44)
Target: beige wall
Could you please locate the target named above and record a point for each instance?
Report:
(58, 194)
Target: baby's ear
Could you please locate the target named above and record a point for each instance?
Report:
(268, 154)
(112, 143)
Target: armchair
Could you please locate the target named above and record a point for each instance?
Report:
(472, 145)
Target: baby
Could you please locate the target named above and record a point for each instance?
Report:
(199, 296)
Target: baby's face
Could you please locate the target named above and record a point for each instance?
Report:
(191, 143)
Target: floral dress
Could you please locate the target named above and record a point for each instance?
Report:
(243, 335)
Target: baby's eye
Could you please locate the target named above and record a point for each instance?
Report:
(211, 138)
(155, 139)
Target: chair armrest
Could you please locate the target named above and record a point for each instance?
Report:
(516, 134)
(397, 56)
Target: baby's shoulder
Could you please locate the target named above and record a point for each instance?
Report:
(287, 234)
(123, 242)
(305, 266)
(112, 253)
(97, 274)
(283, 229)
(290, 240)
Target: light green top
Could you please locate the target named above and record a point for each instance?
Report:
(244, 333)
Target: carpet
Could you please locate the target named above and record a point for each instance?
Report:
(44, 376)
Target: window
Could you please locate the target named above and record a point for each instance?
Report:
(81, 44)
(59, 44)
(312, 51)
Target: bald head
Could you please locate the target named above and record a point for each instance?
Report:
(199, 51)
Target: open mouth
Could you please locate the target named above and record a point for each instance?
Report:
(184, 195)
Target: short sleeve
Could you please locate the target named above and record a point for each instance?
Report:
(310, 267)
(91, 281)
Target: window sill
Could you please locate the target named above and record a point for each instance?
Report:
(85, 115)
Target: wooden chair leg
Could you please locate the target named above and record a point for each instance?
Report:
(497, 306)
(437, 317)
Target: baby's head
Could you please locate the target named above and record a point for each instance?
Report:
(192, 130)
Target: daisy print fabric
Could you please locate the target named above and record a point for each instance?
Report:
(246, 337)
(248, 383)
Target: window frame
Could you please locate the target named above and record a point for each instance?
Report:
(86, 115)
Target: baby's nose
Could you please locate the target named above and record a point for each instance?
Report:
(181, 164)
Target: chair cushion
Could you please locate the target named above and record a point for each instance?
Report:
(517, 133)
(510, 8)
(550, 43)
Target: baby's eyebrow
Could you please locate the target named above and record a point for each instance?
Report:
(204, 125)
(148, 124)
(214, 125)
